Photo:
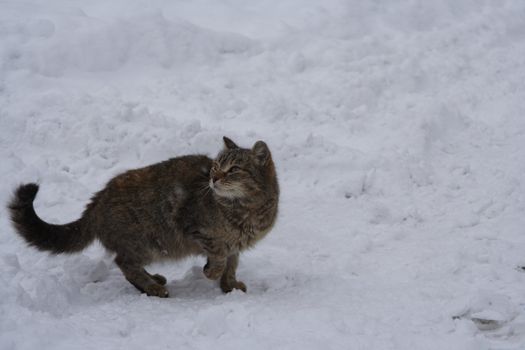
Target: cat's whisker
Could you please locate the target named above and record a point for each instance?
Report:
(204, 191)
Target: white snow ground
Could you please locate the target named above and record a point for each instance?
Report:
(398, 131)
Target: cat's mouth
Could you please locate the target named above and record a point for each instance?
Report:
(226, 190)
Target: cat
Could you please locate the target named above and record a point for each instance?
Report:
(189, 205)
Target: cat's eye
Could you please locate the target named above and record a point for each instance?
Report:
(234, 169)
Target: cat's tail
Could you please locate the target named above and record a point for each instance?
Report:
(68, 238)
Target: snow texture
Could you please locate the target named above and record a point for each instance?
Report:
(398, 130)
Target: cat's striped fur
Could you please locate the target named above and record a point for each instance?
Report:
(183, 206)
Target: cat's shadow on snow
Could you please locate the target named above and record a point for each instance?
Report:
(107, 282)
(194, 285)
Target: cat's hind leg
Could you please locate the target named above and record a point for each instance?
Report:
(142, 280)
(158, 278)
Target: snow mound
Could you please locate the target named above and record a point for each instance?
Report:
(50, 43)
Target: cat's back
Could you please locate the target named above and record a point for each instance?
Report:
(182, 170)
(150, 185)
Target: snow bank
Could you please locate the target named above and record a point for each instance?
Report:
(397, 128)
(51, 42)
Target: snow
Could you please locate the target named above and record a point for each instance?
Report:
(397, 128)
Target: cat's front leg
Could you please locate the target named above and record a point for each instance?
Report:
(228, 280)
(214, 267)
(217, 254)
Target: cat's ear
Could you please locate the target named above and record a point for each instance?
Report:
(261, 152)
(229, 143)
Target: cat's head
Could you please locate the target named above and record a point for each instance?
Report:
(243, 172)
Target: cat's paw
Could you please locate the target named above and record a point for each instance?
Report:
(156, 290)
(159, 279)
(227, 287)
(213, 272)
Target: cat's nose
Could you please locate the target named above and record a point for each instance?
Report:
(216, 177)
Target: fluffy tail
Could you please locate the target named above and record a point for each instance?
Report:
(68, 238)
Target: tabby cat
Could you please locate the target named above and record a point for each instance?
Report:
(189, 205)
